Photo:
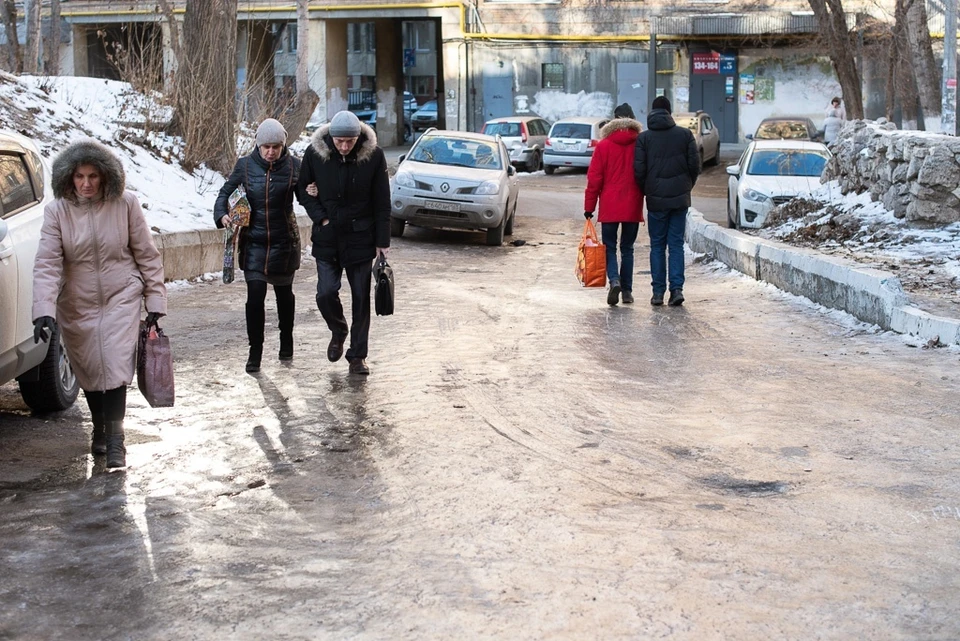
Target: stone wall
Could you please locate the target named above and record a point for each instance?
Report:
(915, 174)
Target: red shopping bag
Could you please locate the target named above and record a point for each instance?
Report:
(591, 258)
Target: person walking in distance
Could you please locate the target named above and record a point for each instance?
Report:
(351, 225)
(666, 165)
(834, 117)
(610, 181)
(269, 249)
(96, 264)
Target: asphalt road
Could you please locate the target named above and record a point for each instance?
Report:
(524, 462)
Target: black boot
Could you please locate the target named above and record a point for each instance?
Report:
(255, 336)
(98, 444)
(116, 452)
(286, 309)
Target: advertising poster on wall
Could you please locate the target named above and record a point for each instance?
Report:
(764, 89)
(746, 89)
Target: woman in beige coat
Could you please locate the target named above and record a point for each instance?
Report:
(95, 264)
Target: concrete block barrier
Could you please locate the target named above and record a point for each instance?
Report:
(189, 254)
(872, 295)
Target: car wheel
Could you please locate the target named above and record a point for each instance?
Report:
(549, 169)
(716, 158)
(495, 234)
(535, 162)
(57, 388)
(508, 229)
(397, 225)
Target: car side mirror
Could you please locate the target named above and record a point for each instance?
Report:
(3, 229)
(733, 170)
(511, 171)
(402, 158)
(749, 136)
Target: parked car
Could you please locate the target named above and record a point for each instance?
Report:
(425, 117)
(786, 128)
(571, 142)
(706, 133)
(771, 173)
(524, 136)
(47, 382)
(409, 104)
(455, 180)
(369, 116)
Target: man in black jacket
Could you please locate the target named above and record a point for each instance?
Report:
(351, 225)
(666, 164)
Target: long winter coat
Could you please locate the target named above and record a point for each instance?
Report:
(95, 264)
(666, 162)
(833, 122)
(610, 176)
(351, 213)
(271, 244)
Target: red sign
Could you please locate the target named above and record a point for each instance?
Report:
(706, 63)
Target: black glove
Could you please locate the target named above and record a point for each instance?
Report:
(153, 318)
(40, 327)
(588, 215)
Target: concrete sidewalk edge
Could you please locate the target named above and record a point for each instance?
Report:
(872, 295)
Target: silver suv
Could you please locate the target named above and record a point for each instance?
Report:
(46, 379)
(524, 136)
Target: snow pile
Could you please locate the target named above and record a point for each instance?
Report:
(554, 105)
(54, 111)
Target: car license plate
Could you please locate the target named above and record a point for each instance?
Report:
(441, 206)
(561, 146)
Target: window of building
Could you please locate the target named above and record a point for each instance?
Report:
(419, 35)
(361, 37)
(422, 85)
(552, 75)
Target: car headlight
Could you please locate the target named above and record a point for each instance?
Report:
(753, 194)
(488, 188)
(404, 179)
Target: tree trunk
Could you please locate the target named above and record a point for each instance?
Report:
(174, 27)
(32, 55)
(207, 85)
(921, 50)
(841, 44)
(295, 120)
(51, 48)
(905, 85)
(14, 53)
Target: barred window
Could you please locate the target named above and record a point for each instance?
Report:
(552, 75)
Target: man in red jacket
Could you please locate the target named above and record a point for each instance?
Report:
(610, 180)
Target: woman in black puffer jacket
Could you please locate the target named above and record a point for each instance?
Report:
(269, 250)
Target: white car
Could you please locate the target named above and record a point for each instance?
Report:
(47, 382)
(571, 142)
(455, 180)
(524, 136)
(770, 173)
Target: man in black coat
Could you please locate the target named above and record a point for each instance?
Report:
(666, 164)
(351, 225)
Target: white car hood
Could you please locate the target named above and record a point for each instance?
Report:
(782, 185)
(428, 172)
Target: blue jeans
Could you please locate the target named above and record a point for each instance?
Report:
(608, 233)
(666, 232)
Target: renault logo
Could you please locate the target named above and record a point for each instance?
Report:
(445, 187)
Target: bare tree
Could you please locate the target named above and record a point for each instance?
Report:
(8, 9)
(901, 86)
(206, 113)
(174, 26)
(32, 56)
(924, 65)
(295, 120)
(832, 21)
(51, 48)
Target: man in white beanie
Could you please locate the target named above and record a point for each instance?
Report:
(351, 226)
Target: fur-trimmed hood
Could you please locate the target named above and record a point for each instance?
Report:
(620, 124)
(322, 143)
(113, 179)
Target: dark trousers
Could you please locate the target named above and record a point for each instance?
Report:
(666, 235)
(256, 316)
(329, 273)
(107, 406)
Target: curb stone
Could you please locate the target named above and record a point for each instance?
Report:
(871, 295)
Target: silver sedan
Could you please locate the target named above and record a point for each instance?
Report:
(455, 180)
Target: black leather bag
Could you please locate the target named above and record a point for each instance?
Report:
(383, 299)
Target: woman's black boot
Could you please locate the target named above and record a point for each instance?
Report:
(286, 309)
(98, 444)
(116, 451)
(255, 335)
